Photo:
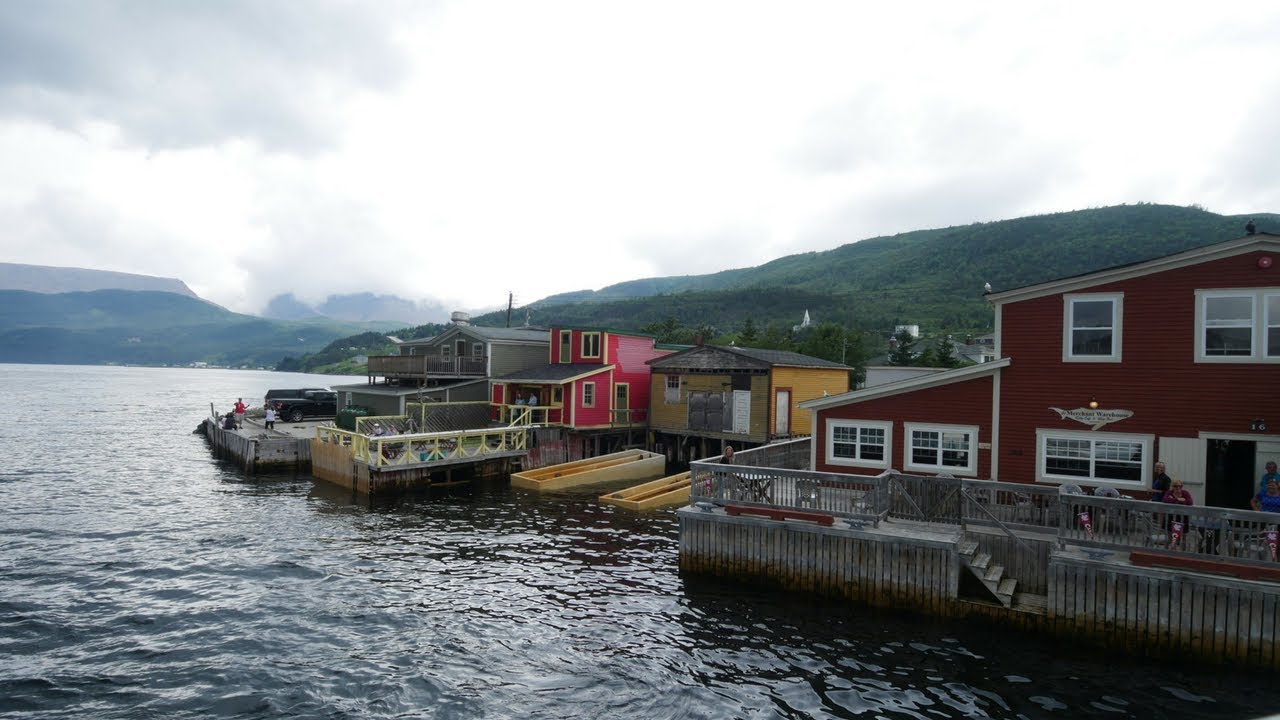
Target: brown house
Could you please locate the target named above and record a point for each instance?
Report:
(709, 396)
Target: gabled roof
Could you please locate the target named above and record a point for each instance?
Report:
(554, 373)
(1268, 242)
(728, 357)
(519, 334)
(909, 385)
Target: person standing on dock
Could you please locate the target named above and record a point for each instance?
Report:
(1160, 483)
(269, 418)
(240, 412)
(1268, 476)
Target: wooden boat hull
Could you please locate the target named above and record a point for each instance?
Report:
(615, 467)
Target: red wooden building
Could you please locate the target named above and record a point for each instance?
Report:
(596, 379)
(1097, 377)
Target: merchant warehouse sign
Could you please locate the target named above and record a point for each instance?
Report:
(1093, 417)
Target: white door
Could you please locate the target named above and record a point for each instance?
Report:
(783, 425)
(742, 411)
(1183, 459)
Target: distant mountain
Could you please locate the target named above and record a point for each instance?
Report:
(152, 328)
(46, 279)
(358, 307)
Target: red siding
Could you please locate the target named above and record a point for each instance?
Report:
(961, 403)
(1158, 379)
(599, 414)
(628, 354)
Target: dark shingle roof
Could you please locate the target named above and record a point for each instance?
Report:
(721, 357)
(553, 373)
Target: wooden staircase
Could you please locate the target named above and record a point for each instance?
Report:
(991, 576)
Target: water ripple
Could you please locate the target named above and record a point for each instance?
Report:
(140, 577)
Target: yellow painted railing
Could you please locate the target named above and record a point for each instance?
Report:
(527, 415)
(419, 448)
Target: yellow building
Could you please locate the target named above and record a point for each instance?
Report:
(709, 396)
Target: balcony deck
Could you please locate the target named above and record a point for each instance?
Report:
(424, 366)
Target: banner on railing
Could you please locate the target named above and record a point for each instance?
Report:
(1273, 539)
(1175, 532)
(1087, 521)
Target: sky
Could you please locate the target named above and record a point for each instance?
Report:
(454, 152)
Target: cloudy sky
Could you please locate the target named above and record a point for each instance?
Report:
(455, 152)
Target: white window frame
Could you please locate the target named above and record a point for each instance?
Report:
(859, 426)
(588, 394)
(591, 345)
(1068, 326)
(671, 391)
(1259, 323)
(908, 463)
(1144, 465)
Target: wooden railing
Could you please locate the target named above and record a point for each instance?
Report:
(448, 416)
(416, 449)
(423, 365)
(1194, 532)
(1103, 523)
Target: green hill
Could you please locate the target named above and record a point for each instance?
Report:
(932, 278)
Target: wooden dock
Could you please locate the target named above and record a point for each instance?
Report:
(614, 467)
(1115, 573)
(255, 449)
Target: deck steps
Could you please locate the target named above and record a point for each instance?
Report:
(979, 564)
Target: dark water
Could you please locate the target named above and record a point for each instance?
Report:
(141, 578)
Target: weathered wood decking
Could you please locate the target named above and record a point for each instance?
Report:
(1122, 574)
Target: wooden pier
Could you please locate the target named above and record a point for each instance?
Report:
(255, 449)
(1127, 575)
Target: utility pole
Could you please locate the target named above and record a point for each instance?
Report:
(510, 300)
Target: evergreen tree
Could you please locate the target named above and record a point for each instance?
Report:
(903, 352)
(750, 335)
(945, 354)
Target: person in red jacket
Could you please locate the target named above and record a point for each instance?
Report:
(240, 412)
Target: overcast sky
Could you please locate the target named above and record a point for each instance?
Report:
(454, 152)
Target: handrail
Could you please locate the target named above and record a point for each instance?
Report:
(418, 448)
(1007, 530)
(756, 478)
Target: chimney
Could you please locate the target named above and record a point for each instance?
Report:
(968, 339)
(697, 339)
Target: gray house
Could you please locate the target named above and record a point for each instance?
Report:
(454, 366)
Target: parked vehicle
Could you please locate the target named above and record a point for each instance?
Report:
(292, 393)
(313, 403)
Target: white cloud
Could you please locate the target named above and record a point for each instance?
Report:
(461, 151)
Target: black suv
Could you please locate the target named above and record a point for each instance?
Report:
(284, 394)
(313, 403)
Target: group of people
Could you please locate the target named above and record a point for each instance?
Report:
(533, 399)
(1168, 490)
(234, 420)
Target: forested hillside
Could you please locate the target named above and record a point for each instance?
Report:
(932, 278)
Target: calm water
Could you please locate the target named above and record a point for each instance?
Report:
(141, 578)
